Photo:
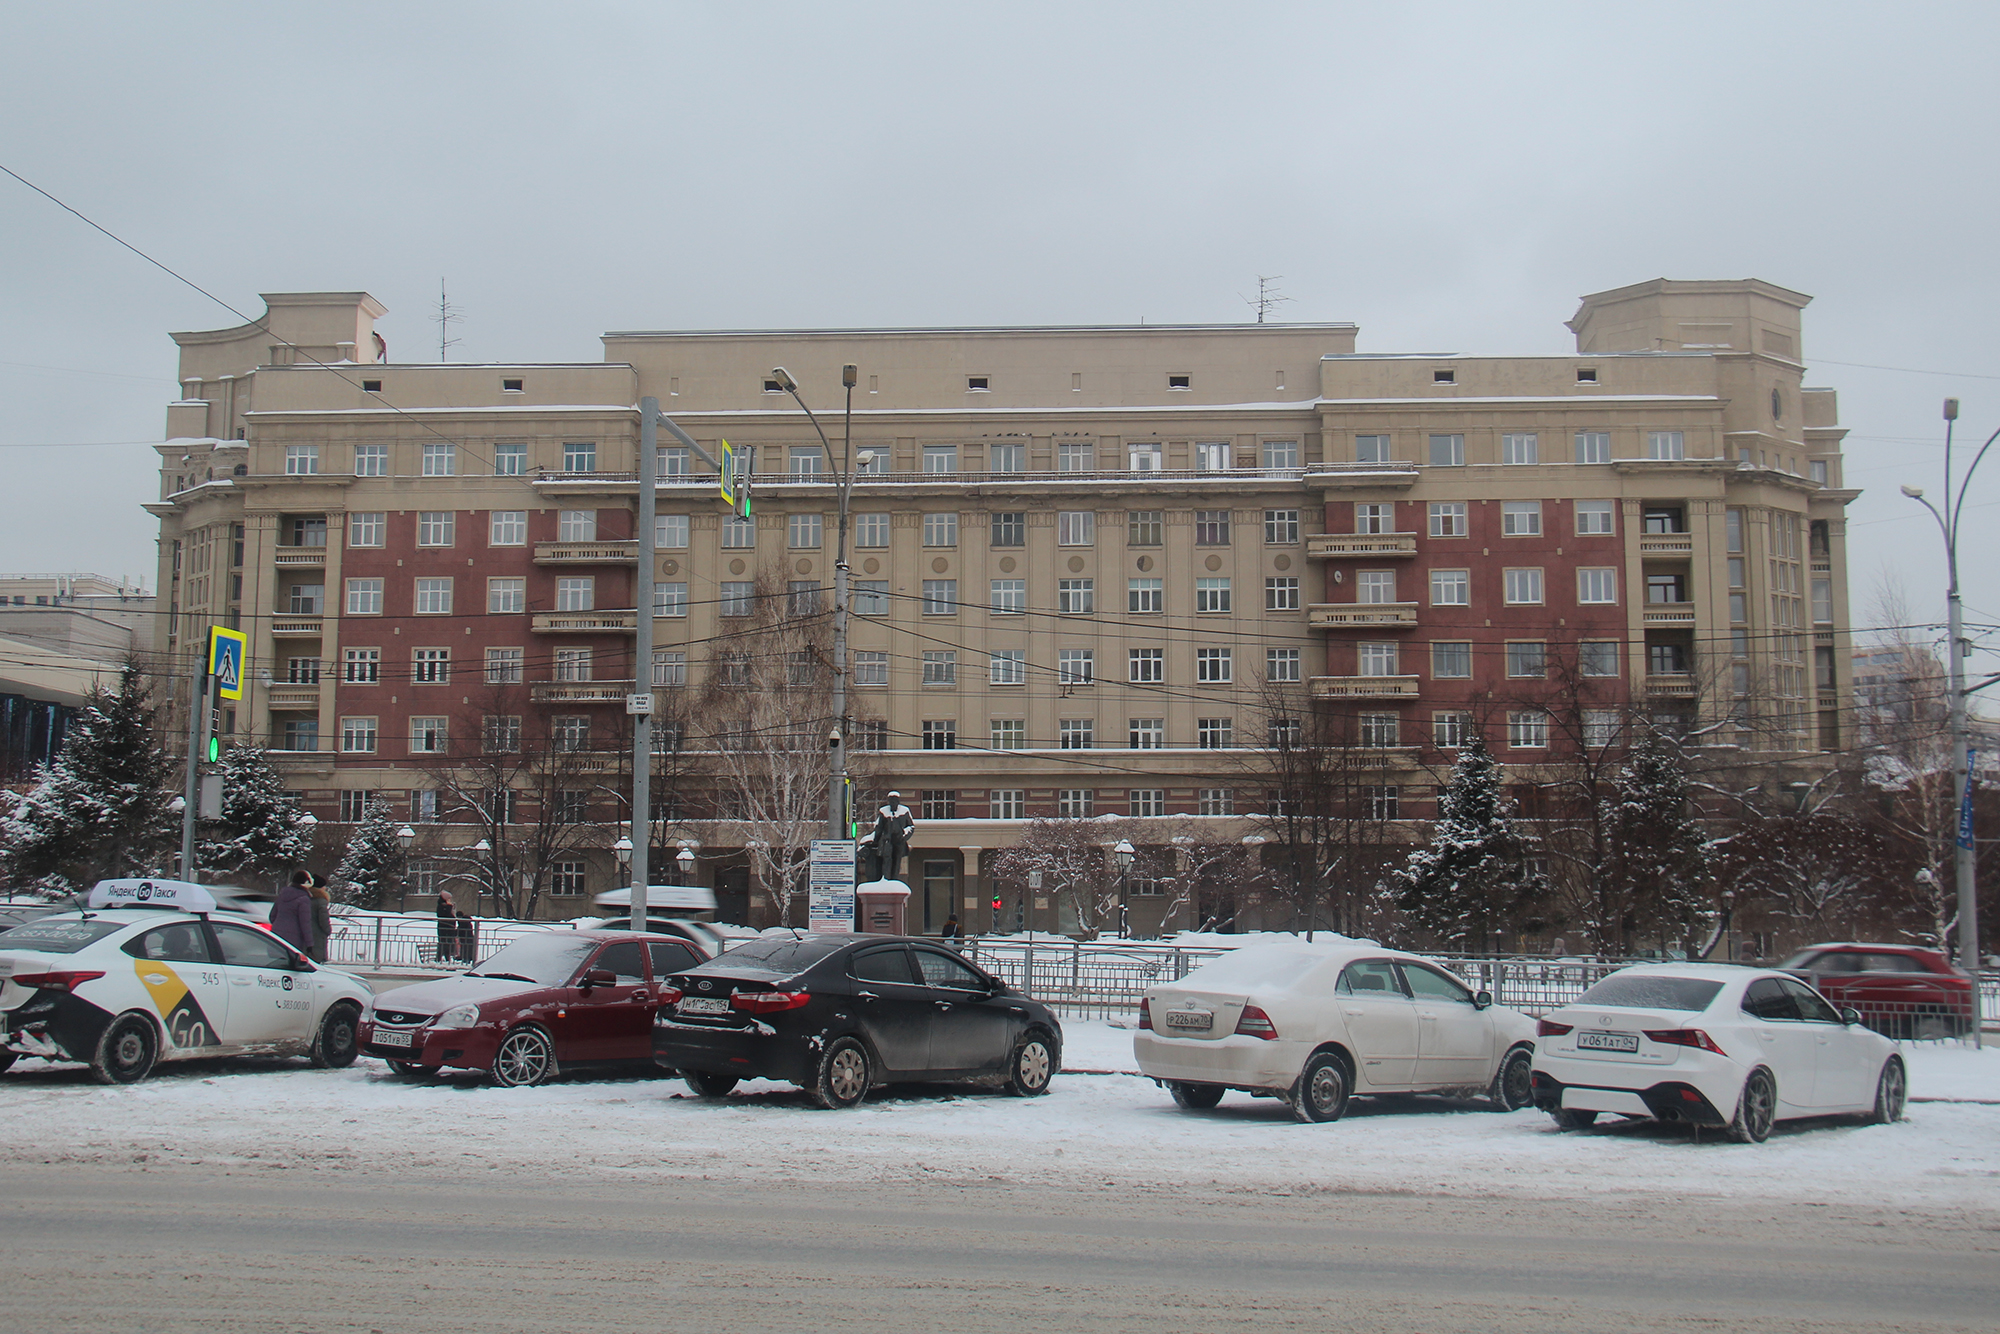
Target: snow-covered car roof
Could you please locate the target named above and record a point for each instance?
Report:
(1278, 965)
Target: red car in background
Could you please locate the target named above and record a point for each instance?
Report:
(1902, 991)
(550, 1001)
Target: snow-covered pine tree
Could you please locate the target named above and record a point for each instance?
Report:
(1472, 877)
(1655, 876)
(374, 861)
(262, 834)
(99, 808)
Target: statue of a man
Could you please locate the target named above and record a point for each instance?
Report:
(893, 826)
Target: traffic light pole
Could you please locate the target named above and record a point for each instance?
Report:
(197, 742)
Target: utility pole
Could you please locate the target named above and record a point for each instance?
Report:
(640, 702)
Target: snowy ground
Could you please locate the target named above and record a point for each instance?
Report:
(1110, 1129)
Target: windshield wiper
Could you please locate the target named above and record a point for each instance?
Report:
(512, 977)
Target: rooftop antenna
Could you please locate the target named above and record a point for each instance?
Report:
(447, 315)
(1267, 296)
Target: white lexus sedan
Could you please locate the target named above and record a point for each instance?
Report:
(1315, 1022)
(1716, 1045)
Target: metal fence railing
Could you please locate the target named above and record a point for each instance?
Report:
(370, 941)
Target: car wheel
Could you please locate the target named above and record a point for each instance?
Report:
(126, 1052)
(527, 1056)
(1756, 1110)
(1891, 1090)
(397, 1067)
(1514, 1087)
(1195, 1097)
(1033, 1066)
(334, 1048)
(842, 1079)
(1321, 1093)
(708, 1085)
(1571, 1119)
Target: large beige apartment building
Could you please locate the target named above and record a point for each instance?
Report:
(1095, 568)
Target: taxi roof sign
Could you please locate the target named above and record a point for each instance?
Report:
(173, 895)
(225, 660)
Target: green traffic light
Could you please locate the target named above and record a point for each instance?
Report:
(214, 749)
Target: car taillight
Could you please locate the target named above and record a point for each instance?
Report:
(1549, 1028)
(1145, 1013)
(768, 1002)
(670, 995)
(1685, 1037)
(1254, 1023)
(68, 980)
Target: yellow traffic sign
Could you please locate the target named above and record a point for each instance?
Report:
(226, 650)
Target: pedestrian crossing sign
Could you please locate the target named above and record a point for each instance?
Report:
(735, 479)
(225, 660)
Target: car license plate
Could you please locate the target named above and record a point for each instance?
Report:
(1607, 1041)
(1188, 1018)
(703, 1005)
(390, 1037)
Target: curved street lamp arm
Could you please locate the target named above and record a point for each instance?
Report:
(1958, 501)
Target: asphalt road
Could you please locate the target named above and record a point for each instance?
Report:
(150, 1247)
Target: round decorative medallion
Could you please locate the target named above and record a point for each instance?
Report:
(1283, 562)
(670, 567)
(1212, 563)
(1076, 565)
(1145, 562)
(940, 565)
(1006, 565)
(804, 567)
(736, 567)
(871, 566)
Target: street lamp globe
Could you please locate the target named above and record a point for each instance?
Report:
(622, 850)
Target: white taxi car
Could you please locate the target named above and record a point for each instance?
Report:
(145, 973)
(1716, 1045)
(1315, 1022)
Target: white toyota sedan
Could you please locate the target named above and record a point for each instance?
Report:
(1314, 1022)
(146, 973)
(1712, 1045)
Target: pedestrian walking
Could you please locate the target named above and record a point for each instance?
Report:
(322, 917)
(950, 931)
(448, 916)
(292, 914)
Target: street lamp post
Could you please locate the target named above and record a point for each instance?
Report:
(406, 838)
(1124, 854)
(684, 859)
(1967, 860)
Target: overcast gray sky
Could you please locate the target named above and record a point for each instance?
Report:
(1449, 176)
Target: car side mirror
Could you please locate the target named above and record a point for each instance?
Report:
(1850, 1016)
(1482, 1000)
(597, 977)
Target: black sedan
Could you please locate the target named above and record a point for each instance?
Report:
(837, 1014)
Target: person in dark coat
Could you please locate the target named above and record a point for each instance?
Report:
(322, 915)
(292, 914)
(951, 931)
(448, 915)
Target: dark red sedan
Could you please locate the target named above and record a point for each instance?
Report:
(1902, 991)
(549, 1002)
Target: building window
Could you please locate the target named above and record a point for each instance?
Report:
(871, 669)
(1451, 588)
(1524, 587)
(1597, 657)
(431, 666)
(1075, 456)
(354, 805)
(1378, 729)
(804, 460)
(1281, 453)
(1146, 666)
(670, 599)
(1211, 595)
(940, 734)
(1214, 666)
(1007, 803)
(670, 668)
(301, 734)
(1382, 803)
(1818, 471)
(871, 597)
(1212, 456)
(1146, 733)
(1215, 801)
(506, 595)
(566, 880)
(1450, 729)
(576, 525)
(1076, 733)
(1076, 528)
(1007, 667)
(570, 733)
(871, 530)
(1076, 596)
(1280, 733)
(1008, 597)
(1601, 727)
(507, 528)
(1281, 528)
(940, 667)
(363, 530)
(1667, 588)
(1375, 587)
(1520, 447)
(1593, 446)
(938, 804)
(1143, 802)
(738, 598)
(428, 736)
(1593, 518)
(1281, 664)
(433, 597)
(1521, 518)
(940, 597)
(1214, 733)
(802, 597)
(371, 460)
(670, 531)
(1373, 518)
(1448, 518)
(1666, 446)
(940, 458)
(1597, 585)
(1211, 528)
(440, 460)
(1528, 729)
(1076, 666)
(1451, 659)
(739, 533)
(509, 460)
(361, 666)
(573, 664)
(503, 666)
(1145, 597)
(1377, 659)
(1447, 451)
(357, 736)
(579, 456)
(1008, 530)
(671, 461)
(577, 594)
(1142, 528)
(1371, 449)
(1003, 457)
(1663, 519)
(1527, 658)
(301, 460)
(1667, 659)
(306, 599)
(940, 530)
(1143, 455)
(1076, 803)
(1008, 733)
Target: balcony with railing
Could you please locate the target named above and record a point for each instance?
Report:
(1362, 687)
(1668, 614)
(586, 553)
(579, 692)
(1362, 615)
(1666, 544)
(287, 626)
(1349, 546)
(292, 695)
(1671, 685)
(584, 622)
(299, 558)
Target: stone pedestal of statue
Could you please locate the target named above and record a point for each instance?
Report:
(883, 906)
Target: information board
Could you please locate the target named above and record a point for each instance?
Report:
(830, 885)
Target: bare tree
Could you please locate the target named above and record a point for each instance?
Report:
(1073, 857)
